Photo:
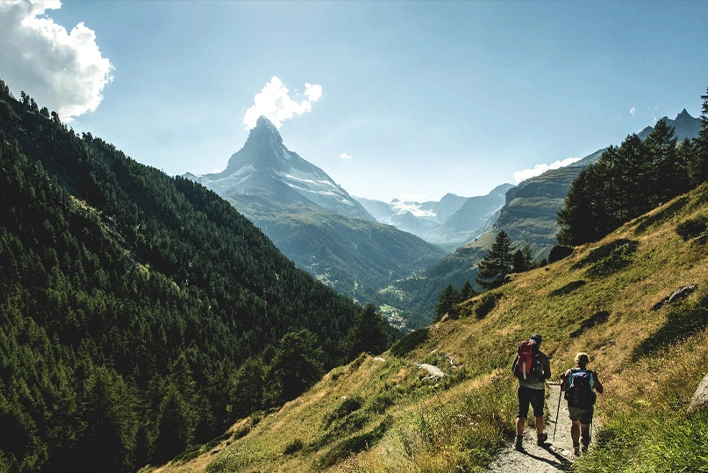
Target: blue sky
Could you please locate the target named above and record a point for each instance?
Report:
(406, 100)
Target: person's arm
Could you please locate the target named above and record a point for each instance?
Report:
(513, 366)
(564, 380)
(546, 369)
(598, 384)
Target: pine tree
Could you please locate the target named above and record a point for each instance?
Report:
(368, 334)
(297, 365)
(578, 215)
(446, 303)
(699, 165)
(497, 263)
(467, 292)
(666, 178)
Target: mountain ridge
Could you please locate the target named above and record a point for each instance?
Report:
(264, 165)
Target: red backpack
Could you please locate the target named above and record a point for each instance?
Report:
(528, 362)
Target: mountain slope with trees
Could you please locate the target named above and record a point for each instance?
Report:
(636, 301)
(530, 219)
(140, 313)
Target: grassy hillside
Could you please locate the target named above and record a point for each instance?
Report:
(385, 414)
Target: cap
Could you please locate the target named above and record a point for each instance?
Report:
(536, 338)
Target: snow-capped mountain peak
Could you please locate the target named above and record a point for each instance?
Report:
(265, 166)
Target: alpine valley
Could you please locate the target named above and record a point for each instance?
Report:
(403, 262)
(334, 236)
(146, 323)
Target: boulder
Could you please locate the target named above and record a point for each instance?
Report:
(700, 397)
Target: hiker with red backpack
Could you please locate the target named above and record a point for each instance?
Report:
(532, 368)
(580, 385)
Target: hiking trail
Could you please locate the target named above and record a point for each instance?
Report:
(556, 456)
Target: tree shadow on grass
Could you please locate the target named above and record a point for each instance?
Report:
(609, 258)
(683, 321)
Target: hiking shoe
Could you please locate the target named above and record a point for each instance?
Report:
(584, 449)
(576, 449)
(541, 440)
(518, 443)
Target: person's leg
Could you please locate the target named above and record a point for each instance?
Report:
(574, 414)
(575, 431)
(585, 435)
(539, 425)
(585, 421)
(523, 397)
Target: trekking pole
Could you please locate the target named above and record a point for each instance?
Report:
(557, 412)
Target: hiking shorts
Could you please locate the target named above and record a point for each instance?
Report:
(536, 397)
(582, 414)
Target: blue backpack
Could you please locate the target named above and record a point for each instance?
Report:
(579, 392)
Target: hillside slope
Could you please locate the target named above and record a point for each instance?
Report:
(610, 299)
(356, 257)
(129, 301)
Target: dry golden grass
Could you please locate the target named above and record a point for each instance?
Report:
(408, 423)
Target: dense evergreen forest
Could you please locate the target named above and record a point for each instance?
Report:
(631, 179)
(140, 313)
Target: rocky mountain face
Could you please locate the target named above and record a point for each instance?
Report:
(264, 166)
(451, 222)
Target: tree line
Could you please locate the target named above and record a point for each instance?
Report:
(631, 179)
(141, 314)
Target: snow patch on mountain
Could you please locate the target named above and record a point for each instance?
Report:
(264, 165)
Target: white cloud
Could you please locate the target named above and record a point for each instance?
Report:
(345, 156)
(61, 70)
(632, 110)
(539, 169)
(274, 103)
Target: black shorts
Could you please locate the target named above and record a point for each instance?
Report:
(537, 398)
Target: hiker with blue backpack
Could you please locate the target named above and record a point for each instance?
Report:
(580, 385)
(532, 368)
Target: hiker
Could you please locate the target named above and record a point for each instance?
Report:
(531, 389)
(580, 384)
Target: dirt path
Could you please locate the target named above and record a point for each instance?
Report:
(557, 456)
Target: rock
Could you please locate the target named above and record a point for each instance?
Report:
(433, 371)
(700, 397)
(679, 293)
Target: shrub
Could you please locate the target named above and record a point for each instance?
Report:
(293, 447)
(486, 304)
(346, 407)
(559, 252)
(409, 342)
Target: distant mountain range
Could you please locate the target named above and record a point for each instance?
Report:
(314, 221)
(451, 222)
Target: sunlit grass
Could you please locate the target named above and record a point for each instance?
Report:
(384, 415)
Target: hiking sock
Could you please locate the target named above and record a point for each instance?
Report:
(518, 443)
(541, 439)
(576, 448)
